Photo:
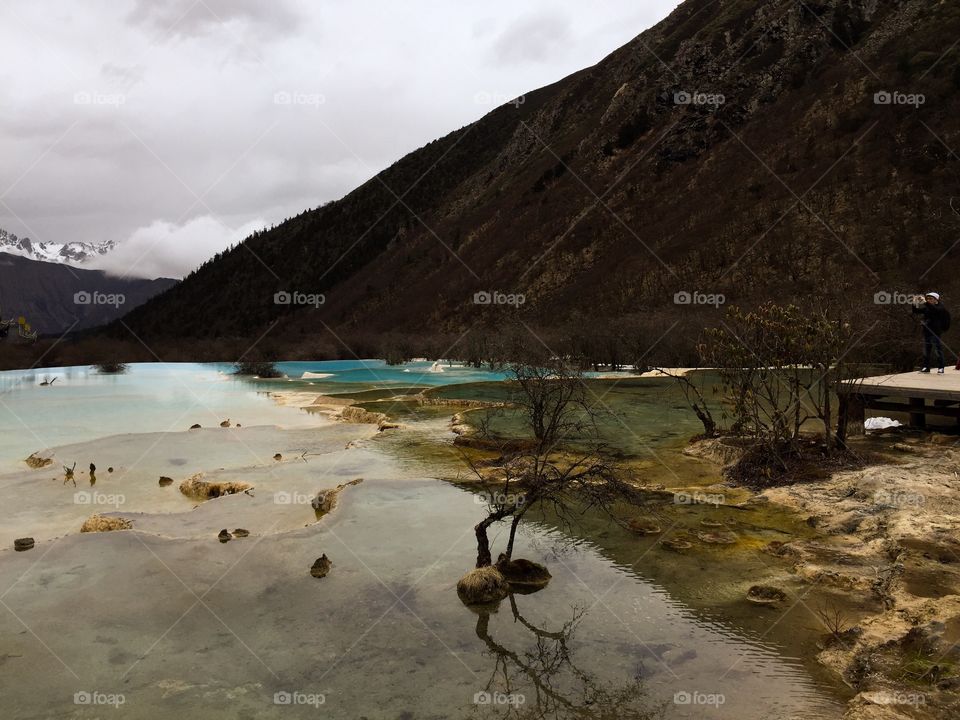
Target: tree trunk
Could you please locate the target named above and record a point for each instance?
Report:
(513, 534)
(483, 543)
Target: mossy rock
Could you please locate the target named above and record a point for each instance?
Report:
(482, 586)
(644, 526)
(100, 523)
(321, 566)
(523, 574)
(765, 595)
(717, 537)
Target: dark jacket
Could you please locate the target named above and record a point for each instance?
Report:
(935, 318)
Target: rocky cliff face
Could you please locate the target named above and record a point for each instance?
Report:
(736, 151)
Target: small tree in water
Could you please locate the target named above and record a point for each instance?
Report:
(560, 465)
(257, 368)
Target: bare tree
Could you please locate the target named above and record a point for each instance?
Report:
(561, 465)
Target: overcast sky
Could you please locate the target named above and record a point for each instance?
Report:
(175, 127)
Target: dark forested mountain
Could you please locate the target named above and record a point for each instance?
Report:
(54, 297)
(744, 148)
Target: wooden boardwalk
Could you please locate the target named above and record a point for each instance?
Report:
(919, 394)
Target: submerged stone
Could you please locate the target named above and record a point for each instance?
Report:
(195, 426)
(224, 536)
(195, 487)
(326, 500)
(165, 481)
(21, 544)
(241, 533)
(765, 595)
(719, 537)
(36, 461)
(321, 566)
(643, 526)
(678, 544)
(99, 523)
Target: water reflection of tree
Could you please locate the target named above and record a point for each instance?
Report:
(551, 683)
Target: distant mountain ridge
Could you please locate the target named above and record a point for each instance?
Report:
(68, 252)
(54, 297)
(740, 149)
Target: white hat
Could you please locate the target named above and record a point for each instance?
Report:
(933, 295)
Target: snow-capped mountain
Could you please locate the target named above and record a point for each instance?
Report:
(69, 253)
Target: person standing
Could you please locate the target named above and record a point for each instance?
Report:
(935, 320)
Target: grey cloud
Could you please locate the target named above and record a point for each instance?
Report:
(393, 77)
(536, 38)
(199, 17)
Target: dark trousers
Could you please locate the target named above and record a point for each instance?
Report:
(931, 342)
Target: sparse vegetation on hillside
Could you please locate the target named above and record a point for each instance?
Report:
(799, 181)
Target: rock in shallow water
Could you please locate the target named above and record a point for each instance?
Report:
(321, 566)
(36, 461)
(241, 533)
(198, 489)
(765, 595)
(523, 573)
(164, 481)
(224, 536)
(483, 585)
(21, 544)
(99, 523)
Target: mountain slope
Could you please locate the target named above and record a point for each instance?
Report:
(55, 298)
(610, 192)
